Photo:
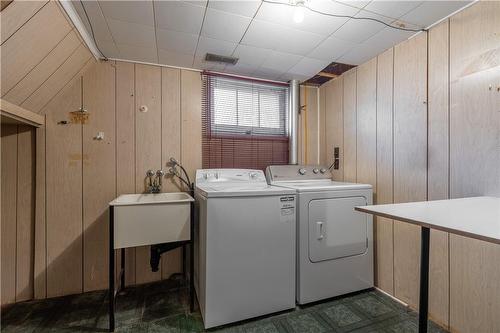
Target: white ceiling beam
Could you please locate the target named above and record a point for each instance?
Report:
(70, 11)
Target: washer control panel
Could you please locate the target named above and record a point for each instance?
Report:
(230, 176)
(297, 172)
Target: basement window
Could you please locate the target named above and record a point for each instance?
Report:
(244, 123)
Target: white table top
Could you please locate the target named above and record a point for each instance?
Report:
(477, 217)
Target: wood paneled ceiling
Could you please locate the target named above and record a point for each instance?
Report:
(40, 52)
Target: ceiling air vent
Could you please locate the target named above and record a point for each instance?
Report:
(221, 59)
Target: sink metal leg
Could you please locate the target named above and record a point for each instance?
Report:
(111, 290)
(184, 262)
(191, 262)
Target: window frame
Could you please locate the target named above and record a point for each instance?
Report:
(241, 131)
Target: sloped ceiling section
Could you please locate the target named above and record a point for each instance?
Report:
(40, 52)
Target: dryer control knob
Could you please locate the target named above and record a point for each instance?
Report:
(302, 171)
(322, 170)
(315, 170)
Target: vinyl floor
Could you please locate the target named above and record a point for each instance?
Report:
(163, 307)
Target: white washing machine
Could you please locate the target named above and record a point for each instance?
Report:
(244, 246)
(334, 242)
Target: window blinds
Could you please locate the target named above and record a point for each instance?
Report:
(244, 123)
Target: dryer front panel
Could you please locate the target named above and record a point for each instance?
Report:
(336, 230)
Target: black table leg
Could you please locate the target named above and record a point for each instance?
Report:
(122, 271)
(111, 290)
(424, 281)
(191, 261)
(184, 270)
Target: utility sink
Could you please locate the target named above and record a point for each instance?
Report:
(146, 219)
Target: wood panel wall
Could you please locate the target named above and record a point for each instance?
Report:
(437, 125)
(332, 94)
(366, 124)
(77, 175)
(350, 122)
(41, 52)
(384, 228)
(310, 129)
(474, 120)
(410, 158)
(17, 213)
(438, 164)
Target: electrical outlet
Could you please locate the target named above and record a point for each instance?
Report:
(336, 158)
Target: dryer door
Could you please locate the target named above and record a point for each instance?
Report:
(336, 230)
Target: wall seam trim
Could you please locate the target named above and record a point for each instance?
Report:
(392, 153)
(45, 206)
(449, 169)
(17, 215)
(82, 189)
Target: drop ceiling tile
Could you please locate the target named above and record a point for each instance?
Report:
(263, 34)
(224, 26)
(200, 3)
(179, 16)
(140, 12)
(355, 3)
(243, 8)
(179, 42)
(331, 48)
(277, 37)
(135, 53)
(216, 46)
(132, 34)
(109, 50)
(268, 74)
(293, 76)
(241, 69)
(280, 61)
(96, 16)
(388, 38)
(359, 54)
(250, 55)
(375, 45)
(430, 12)
(174, 58)
(357, 31)
(333, 7)
(393, 9)
(308, 67)
(313, 22)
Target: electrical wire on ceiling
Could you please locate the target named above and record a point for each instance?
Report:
(92, 30)
(344, 16)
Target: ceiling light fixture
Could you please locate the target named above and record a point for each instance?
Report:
(298, 13)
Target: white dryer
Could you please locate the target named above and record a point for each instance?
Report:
(244, 247)
(334, 242)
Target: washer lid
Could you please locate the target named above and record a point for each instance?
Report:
(240, 190)
(321, 185)
(235, 182)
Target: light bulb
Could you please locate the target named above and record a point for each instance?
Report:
(298, 14)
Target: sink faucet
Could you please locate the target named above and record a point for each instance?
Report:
(154, 185)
